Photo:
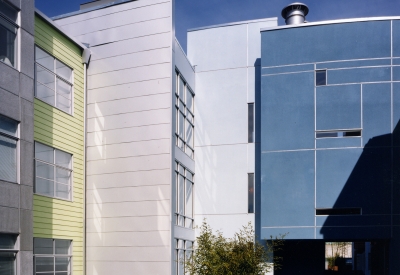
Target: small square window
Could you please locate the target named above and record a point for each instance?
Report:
(320, 78)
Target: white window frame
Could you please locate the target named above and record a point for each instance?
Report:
(187, 247)
(56, 76)
(55, 166)
(54, 256)
(181, 109)
(183, 219)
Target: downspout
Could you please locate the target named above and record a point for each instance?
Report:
(85, 60)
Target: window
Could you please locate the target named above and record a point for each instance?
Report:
(184, 116)
(250, 122)
(184, 197)
(338, 133)
(338, 211)
(320, 78)
(183, 252)
(8, 253)
(8, 34)
(8, 149)
(52, 256)
(53, 172)
(250, 193)
(53, 81)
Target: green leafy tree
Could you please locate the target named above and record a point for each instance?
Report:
(241, 255)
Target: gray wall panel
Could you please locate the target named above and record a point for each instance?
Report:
(26, 85)
(26, 197)
(9, 193)
(9, 105)
(27, 55)
(26, 163)
(26, 239)
(9, 78)
(9, 219)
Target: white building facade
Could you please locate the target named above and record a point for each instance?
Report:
(169, 142)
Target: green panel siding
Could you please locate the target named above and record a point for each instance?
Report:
(55, 218)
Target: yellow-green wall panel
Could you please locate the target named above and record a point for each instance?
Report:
(55, 218)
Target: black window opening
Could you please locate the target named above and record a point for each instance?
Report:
(250, 193)
(338, 211)
(320, 78)
(338, 133)
(250, 122)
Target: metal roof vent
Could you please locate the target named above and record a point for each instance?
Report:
(295, 13)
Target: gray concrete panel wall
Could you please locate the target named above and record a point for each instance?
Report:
(226, 59)
(16, 102)
(128, 200)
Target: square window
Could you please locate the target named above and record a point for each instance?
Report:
(53, 172)
(52, 255)
(320, 78)
(53, 81)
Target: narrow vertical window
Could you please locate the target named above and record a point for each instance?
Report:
(8, 34)
(250, 192)
(184, 105)
(320, 78)
(8, 149)
(184, 197)
(250, 122)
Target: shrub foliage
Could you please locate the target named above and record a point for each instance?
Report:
(241, 255)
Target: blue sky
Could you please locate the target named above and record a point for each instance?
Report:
(196, 13)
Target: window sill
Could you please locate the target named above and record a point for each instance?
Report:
(10, 66)
(6, 181)
(54, 107)
(56, 198)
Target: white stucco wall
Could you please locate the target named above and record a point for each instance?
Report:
(129, 136)
(225, 58)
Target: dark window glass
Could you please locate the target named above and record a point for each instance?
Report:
(8, 149)
(250, 122)
(320, 78)
(338, 211)
(8, 33)
(250, 193)
(8, 11)
(352, 134)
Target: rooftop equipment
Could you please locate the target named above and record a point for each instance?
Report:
(295, 13)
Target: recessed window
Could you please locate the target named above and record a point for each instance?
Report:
(250, 193)
(184, 197)
(8, 149)
(320, 77)
(184, 105)
(250, 122)
(8, 34)
(337, 211)
(8, 254)
(53, 81)
(53, 170)
(52, 256)
(183, 252)
(338, 134)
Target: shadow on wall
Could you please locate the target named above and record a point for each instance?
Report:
(368, 190)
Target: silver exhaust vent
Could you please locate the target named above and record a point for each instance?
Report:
(295, 13)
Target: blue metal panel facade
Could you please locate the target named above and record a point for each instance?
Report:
(300, 172)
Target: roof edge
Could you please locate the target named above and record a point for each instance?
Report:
(99, 7)
(59, 28)
(336, 21)
(233, 24)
